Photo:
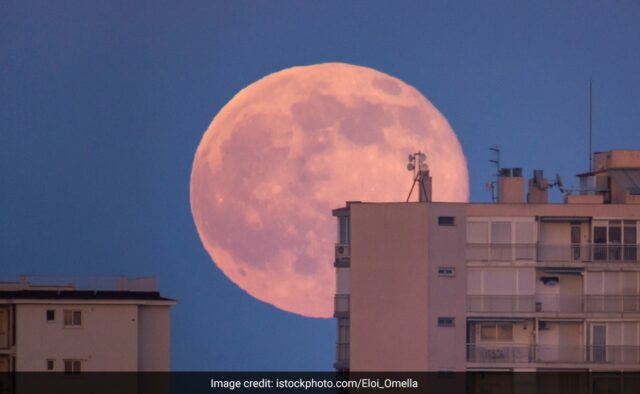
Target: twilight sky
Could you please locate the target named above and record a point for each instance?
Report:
(102, 106)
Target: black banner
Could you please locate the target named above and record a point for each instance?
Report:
(322, 382)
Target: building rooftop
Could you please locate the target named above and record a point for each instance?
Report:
(81, 288)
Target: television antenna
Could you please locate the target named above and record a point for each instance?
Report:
(418, 164)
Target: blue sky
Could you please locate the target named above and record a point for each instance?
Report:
(102, 105)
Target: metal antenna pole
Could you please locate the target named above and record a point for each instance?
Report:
(590, 125)
(496, 161)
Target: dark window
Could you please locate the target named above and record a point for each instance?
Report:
(343, 230)
(447, 271)
(51, 315)
(446, 322)
(72, 318)
(446, 221)
(50, 365)
(72, 367)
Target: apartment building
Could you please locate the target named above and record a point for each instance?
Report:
(83, 325)
(516, 285)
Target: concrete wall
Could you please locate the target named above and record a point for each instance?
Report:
(447, 295)
(153, 338)
(106, 341)
(5, 327)
(389, 287)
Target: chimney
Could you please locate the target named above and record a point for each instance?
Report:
(538, 188)
(510, 186)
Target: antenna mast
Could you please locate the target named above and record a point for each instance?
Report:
(590, 125)
(496, 161)
(417, 164)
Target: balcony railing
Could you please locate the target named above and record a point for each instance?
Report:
(501, 252)
(588, 253)
(496, 354)
(342, 355)
(501, 303)
(554, 253)
(554, 303)
(612, 303)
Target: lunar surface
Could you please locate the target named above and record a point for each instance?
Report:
(291, 147)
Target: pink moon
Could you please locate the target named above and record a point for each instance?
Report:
(291, 147)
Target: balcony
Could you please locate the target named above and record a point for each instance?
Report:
(499, 354)
(341, 305)
(342, 255)
(627, 253)
(342, 356)
(554, 303)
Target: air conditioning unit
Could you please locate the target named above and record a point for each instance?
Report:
(342, 251)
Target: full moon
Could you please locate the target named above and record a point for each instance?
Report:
(291, 147)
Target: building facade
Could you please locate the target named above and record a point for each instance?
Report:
(112, 324)
(520, 285)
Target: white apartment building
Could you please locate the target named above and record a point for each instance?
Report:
(517, 285)
(107, 324)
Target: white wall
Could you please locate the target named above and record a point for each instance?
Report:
(106, 341)
(153, 336)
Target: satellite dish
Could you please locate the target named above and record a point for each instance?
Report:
(559, 183)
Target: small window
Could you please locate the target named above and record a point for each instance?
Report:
(51, 315)
(72, 318)
(51, 364)
(446, 221)
(72, 367)
(447, 272)
(446, 322)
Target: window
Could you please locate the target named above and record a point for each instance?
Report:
(446, 221)
(496, 332)
(72, 367)
(72, 318)
(343, 229)
(51, 364)
(51, 315)
(500, 232)
(447, 272)
(446, 322)
(614, 240)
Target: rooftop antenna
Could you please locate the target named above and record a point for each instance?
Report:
(417, 164)
(496, 160)
(590, 125)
